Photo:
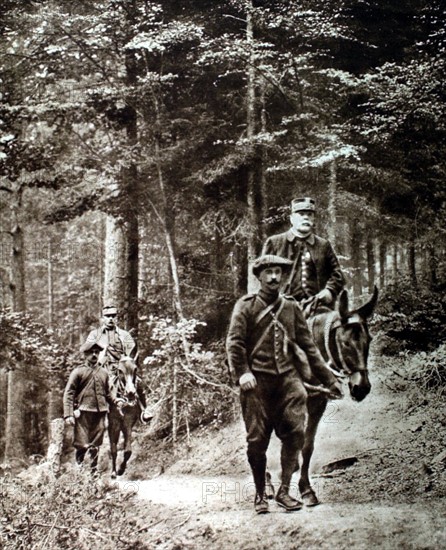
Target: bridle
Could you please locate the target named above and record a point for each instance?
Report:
(332, 323)
(119, 383)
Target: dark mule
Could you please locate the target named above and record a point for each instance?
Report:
(343, 338)
(123, 382)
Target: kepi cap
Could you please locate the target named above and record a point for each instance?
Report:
(109, 310)
(270, 260)
(303, 204)
(87, 346)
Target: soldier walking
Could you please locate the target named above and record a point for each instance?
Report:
(265, 334)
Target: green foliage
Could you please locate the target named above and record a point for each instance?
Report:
(195, 380)
(414, 318)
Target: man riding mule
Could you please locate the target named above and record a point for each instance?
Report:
(117, 343)
(271, 352)
(315, 278)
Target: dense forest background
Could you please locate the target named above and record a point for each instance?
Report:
(148, 148)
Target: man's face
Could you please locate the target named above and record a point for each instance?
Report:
(303, 221)
(92, 356)
(270, 278)
(109, 320)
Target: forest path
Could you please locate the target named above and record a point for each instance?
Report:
(211, 510)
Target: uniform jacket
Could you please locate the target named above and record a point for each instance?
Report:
(96, 397)
(102, 336)
(260, 345)
(328, 270)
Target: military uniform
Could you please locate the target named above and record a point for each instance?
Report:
(316, 264)
(118, 342)
(315, 270)
(266, 337)
(88, 387)
(115, 341)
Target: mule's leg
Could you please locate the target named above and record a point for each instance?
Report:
(316, 407)
(113, 436)
(128, 423)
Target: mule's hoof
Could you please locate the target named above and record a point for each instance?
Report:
(310, 499)
(269, 487)
(113, 475)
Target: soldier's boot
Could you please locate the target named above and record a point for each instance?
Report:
(258, 468)
(288, 463)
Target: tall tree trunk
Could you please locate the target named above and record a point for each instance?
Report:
(332, 192)
(55, 398)
(18, 262)
(15, 426)
(395, 262)
(162, 214)
(382, 263)
(355, 251)
(115, 265)
(432, 262)
(3, 409)
(50, 284)
(253, 199)
(370, 251)
(132, 222)
(411, 258)
(15, 449)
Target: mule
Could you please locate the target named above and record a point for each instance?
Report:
(123, 382)
(343, 339)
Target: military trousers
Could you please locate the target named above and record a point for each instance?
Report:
(278, 403)
(89, 429)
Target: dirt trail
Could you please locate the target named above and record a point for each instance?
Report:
(211, 510)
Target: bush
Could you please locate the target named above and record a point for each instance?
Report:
(73, 511)
(429, 369)
(411, 318)
(189, 384)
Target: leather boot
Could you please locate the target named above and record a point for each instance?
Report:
(261, 504)
(288, 460)
(258, 468)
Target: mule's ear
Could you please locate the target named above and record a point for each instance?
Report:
(367, 309)
(343, 305)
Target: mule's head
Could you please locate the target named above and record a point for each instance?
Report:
(126, 372)
(353, 342)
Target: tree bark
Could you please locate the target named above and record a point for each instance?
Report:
(332, 192)
(18, 259)
(253, 198)
(15, 432)
(432, 262)
(355, 251)
(370, 251)
(50, 284)
(395, 262)
(3, 408)
(382, 263)
(132, 222)
(411, 258)
(115, 265)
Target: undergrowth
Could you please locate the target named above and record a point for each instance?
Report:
(74, 511)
